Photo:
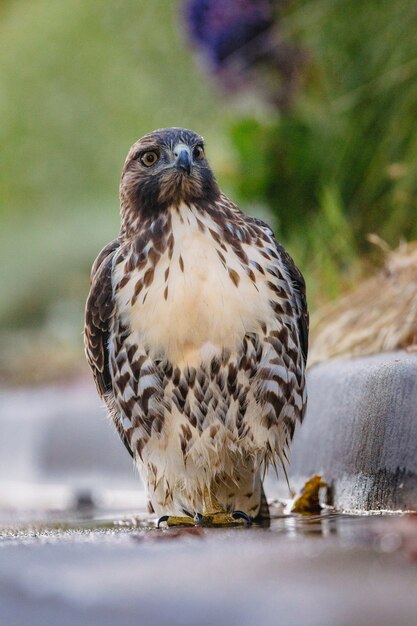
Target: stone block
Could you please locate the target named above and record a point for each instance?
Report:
(360, 432)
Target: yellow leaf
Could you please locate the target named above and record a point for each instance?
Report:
(308, 500)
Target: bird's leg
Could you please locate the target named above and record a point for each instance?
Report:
(214, 515)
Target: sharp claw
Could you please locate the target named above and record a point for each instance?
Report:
(242, 515)
(164, 518)
(222, 519)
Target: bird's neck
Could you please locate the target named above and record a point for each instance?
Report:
(130, 222)
(133, 224)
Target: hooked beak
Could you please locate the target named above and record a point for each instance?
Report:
(183, 160)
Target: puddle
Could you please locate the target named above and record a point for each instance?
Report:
(383, 533)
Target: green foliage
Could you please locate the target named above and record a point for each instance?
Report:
(343, 162)
(79, 82)
(275, 165)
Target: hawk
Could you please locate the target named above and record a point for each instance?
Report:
(196, 332)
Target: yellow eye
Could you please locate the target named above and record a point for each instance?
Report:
(199, 152)
(149, 158)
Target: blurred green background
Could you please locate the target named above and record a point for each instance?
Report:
(81, 81)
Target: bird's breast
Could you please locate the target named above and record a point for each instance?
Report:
(196, 300)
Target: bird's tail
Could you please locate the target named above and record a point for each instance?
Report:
(263, 516)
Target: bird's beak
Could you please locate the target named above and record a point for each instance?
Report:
(183, 158)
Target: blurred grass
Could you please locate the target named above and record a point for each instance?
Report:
(79, 82)
(342, 163)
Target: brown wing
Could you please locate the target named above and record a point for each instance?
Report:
(299, 300)
(298, 295)
(98, 313)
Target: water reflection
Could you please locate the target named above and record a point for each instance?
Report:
(385, 533)
(294, 525)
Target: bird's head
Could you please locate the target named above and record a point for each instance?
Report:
(165, 168)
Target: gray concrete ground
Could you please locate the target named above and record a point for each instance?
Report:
(340, 572)
(56, 444)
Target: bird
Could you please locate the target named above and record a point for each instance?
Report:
(196, 331)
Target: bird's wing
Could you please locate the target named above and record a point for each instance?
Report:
(98, 313)
(297, 283)
(98, 316)
(283, 398)
(284, 403)
(294, 277)
(299, 299)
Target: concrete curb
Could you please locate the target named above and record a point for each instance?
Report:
(360, 432)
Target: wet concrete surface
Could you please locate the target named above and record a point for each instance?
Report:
(327, 570)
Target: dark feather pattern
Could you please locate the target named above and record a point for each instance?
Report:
(99, 310)
(98, 319)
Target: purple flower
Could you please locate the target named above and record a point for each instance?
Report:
(221, 28)
(241, 44)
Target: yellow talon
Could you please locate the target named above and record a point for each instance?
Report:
(213, 515)
(220, 518)
(177, 520)
(237, 518)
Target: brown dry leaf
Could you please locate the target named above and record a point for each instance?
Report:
(308, 500)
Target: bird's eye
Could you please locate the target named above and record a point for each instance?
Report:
(199, 152)
(149, 158)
